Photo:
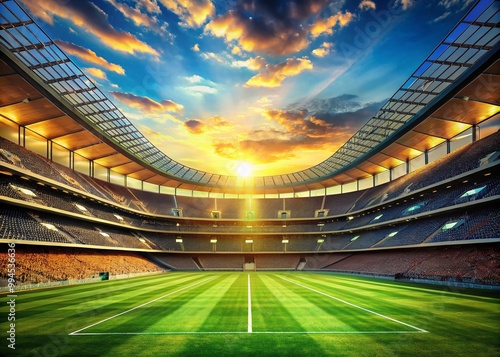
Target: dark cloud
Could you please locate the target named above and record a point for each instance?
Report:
(270, 27)
(194, 126)
(146, 104)
(341, 111)
(351, 119)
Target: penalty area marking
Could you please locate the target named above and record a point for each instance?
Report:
(138, 306)
(353, 305)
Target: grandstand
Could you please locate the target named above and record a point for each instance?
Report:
(437, 224)
(450, 201)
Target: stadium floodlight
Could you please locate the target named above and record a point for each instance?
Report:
(320, 240)
(248, 240)
(178, 240)
(50, 226)
(80, 207)
(285, 241)
(213, 241)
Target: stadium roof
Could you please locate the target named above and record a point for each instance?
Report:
(454, 89)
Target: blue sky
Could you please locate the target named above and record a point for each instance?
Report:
(279, 85)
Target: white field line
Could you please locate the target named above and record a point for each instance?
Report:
(146, 303)
(249, 306)
(244, 332)
(353, 305)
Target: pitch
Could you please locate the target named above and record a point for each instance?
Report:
(257, 314)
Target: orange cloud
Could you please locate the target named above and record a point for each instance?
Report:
(91, 18)
(271, 150)
(323, 26)
(146, 104)
(300, 123)
(405, 4)
(322, 51)
(367, 5)
(272, 75)
(193, 13)
(89, 56)
(195, 126)
(96, 72)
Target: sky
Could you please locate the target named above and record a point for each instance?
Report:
(261, 86)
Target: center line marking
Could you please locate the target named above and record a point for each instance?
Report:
(249, 306)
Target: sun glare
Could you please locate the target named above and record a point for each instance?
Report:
(244, 169)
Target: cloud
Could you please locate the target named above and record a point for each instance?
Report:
(236, 50)
(442, 17)
(324, 50)
(253, 64)
(200, 86)
(405, 4)
(214, 56)
(267, 27)
(195, 126)
(256, 151)
(213, 124)
(451, 6)
(195, 79)
(344, 111)
(146, 104)
(271, 76)
(320, 125)
(299, 122)
(367, 5)
(92, 19)
(139, 18)
(151, 6)
(96, 72)
(196, 47)
(325, 26)
(352, 120)
(89, 56)
(192, 13)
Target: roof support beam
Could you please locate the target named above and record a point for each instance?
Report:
(66, 79)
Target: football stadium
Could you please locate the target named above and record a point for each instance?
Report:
(120, 239)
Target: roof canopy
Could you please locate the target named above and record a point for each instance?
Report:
(452, 91)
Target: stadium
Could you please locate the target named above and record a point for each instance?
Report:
(111, 247)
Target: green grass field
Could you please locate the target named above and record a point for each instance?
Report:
(254, 314)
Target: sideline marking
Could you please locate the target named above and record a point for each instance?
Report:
(138, 306)
(353, 305)
(249, 306)
(243, 332)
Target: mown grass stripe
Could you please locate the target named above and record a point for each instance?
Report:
(144, 304)
(353, 305)
(250, 328)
